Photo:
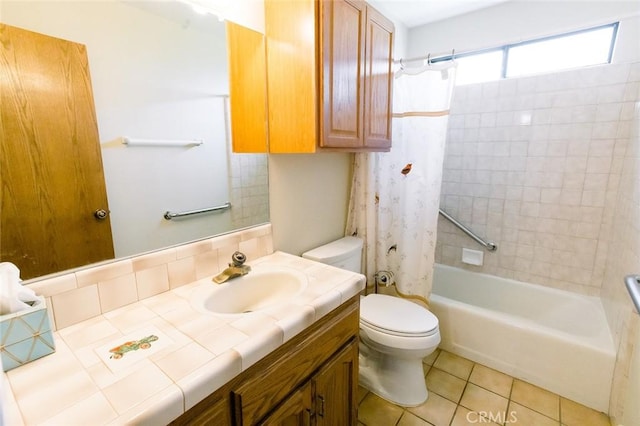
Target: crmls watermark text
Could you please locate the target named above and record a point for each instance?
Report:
(501, 417)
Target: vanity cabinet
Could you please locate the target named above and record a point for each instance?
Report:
(310, 380)
(328, 78)
(325, 398)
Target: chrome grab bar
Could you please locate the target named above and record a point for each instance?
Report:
(486, 244)
(633, 286)
(168, 215)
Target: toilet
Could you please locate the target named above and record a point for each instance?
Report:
(395, 334)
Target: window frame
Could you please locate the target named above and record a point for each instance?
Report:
(505, 48)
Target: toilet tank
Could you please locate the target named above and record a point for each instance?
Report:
(345, 253)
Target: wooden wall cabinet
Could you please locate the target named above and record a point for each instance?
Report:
(247, 88)
(310, 380)
(329, 77)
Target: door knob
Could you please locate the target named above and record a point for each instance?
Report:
(101, 214)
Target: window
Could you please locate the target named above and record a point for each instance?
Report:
(479, 67)
(570, 50)
(589, 47)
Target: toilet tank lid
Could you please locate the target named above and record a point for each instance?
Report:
(335, 251)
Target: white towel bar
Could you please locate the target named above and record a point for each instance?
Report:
(168, 215)
(161, 142)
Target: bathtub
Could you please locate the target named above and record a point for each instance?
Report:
(555, 339)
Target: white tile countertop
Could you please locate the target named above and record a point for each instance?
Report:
(194, 355)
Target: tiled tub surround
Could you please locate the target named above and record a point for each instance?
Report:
(547, 167)
(623, 259)
(534, 164)
(74, 386)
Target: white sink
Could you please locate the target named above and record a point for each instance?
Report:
(264, 287)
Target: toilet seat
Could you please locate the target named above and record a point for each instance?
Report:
(396, 316)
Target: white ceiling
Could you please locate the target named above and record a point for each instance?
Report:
(418, 12)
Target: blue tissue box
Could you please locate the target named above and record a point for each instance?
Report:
(25, 335)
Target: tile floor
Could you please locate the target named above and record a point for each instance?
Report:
(460, 391)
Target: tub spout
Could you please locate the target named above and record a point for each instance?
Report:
(236, 269)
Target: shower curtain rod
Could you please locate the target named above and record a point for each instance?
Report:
(429, 57)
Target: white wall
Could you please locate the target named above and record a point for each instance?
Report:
(516, 20)
(309, 195)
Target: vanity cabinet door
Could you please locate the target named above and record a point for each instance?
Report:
(332, 390)
(274, 383)
(335, 387)
(294, 411)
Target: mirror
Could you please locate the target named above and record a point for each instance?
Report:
(159, 74)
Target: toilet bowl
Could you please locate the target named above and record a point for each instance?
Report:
(395, 334)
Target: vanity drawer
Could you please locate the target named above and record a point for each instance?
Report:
(255, 398)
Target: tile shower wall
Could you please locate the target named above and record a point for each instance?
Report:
(624, 259)
(249, 181)
(85, 293)
(534, 164)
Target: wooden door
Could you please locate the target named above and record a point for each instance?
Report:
(343, 66)
(50, 160)
(378, 81)
(336, 389)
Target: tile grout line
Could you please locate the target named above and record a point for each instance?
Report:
(458, 403)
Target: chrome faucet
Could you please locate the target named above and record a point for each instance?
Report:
(236, 269)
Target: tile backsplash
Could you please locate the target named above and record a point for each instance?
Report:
(534, 164)
(88, 292)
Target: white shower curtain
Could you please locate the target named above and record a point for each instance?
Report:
(395, 196)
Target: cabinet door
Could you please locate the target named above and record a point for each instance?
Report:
(255, 398)
(294, 411)
(342, 49)
(336, 389)
(291, 75)
(247, 89)
(378, 80)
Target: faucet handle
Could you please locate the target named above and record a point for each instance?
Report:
(238, 258)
